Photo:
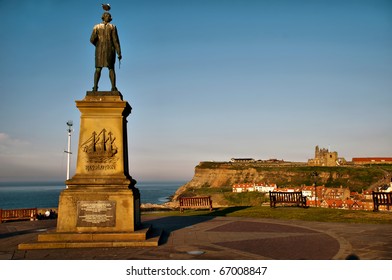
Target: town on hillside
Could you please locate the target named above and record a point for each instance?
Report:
(320, 196)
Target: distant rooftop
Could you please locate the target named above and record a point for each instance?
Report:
(372, 159)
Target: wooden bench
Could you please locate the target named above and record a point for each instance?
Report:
(18, 214)
(287, 197)
(195, 202)
(381, 198)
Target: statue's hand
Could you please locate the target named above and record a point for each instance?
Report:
(119, 57)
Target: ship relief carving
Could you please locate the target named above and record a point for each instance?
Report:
(101, 151)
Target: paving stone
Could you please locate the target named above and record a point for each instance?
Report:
(219, 238)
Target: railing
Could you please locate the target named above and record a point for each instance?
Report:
(18, 214)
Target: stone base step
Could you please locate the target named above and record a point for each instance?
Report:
(145, 237)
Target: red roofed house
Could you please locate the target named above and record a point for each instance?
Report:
(352, 204)
(332, 203)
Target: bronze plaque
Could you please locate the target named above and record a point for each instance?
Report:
(96, 214)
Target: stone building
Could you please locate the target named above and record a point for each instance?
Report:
(337, 193)
(323, 157)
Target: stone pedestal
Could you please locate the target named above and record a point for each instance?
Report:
(101, 196)
(101, 205)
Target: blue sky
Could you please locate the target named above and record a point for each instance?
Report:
(207, 80)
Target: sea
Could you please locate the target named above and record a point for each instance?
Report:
(18, 195)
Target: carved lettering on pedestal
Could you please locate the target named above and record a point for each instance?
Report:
(96, 213)
(101, 151)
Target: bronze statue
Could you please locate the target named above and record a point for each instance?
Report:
(106, 42)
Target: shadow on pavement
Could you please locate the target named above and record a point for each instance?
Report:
(222, 212)
(173, 223)
(15, 228)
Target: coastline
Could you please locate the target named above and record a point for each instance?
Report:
(167, 206)
(45, 195)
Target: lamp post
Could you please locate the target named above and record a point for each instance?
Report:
(314, 175)
(68, 151)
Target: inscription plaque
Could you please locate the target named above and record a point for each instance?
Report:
(96, 214)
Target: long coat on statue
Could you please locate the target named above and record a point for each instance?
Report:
(106, 42)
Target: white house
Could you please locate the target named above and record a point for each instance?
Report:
(254, 187)
(386, 188)
(244, 187)
(261, 187)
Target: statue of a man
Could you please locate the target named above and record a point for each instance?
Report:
(106, 42)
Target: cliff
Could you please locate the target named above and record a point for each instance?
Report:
(213, 178)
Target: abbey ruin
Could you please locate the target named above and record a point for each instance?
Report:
(323, 157)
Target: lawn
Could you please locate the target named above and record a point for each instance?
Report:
(290, 213)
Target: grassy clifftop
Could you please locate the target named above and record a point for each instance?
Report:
(296, 174)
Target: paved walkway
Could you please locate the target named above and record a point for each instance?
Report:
(204, 237)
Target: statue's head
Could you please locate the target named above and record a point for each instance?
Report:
(107, 17)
